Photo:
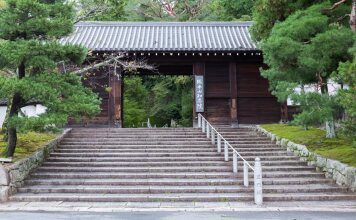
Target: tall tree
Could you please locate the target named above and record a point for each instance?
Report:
(100, 10)
(347, 96)
(31, 48)
(266, 13)
(166, 10)
(228, 10)
(304, 49)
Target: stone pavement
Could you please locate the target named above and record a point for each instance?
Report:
(336, 206)
(246, 215)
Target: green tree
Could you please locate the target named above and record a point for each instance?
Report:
(157, 10)
(307, 48)
(159, 98)
(101, 10)
(266, 13)
(31, 48)
(347, 96)
(227, 10)
(135, 102)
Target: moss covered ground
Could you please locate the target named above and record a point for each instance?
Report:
(27, 143)
(339, 148)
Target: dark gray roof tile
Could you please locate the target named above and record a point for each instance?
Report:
(163, 36)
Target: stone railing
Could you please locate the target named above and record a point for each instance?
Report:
(218, 139)
(13, 175)
(343, 174)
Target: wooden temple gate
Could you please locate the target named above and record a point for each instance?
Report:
(222, 52)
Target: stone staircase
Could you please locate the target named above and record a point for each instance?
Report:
(169, 165)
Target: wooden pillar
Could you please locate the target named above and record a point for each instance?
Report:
(233, 94)
(115, 116)
(198, 69)
(284, 112)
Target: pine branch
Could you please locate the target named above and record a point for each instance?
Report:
(337, 4)
(95, 10)
(118, 62)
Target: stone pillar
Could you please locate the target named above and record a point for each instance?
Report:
(4, 184)
(233, 94)
(258, 182)
(115, 116)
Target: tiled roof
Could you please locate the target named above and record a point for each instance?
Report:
(163, 36)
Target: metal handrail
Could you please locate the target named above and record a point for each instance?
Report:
(257, 170)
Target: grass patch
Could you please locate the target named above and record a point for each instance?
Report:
(27, 143)
(339, 148)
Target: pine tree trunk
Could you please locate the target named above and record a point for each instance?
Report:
(329, 124)
(4, 124)
(330, 129)
(11, 129)
(14, 106)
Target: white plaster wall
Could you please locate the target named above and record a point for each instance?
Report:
(2, 114)
(29, 111)
(333, 87)
(40, 109)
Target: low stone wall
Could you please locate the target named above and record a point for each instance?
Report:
(343, 174)
(12, 176)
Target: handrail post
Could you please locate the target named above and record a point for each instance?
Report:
(226, 151)
(207, 130)
(234, 161)
(199, 121)
(203, 126)
(258, 182)
(212, 136)
(219, 143)
(246, 183)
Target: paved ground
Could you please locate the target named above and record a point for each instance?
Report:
(294, 215)
(336, 206)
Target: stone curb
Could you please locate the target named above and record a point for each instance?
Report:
(343, 174)
(13, 176)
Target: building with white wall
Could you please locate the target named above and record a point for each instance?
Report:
(32, 110)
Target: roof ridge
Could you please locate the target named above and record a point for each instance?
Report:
(161, 23)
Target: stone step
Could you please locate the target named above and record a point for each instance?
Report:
(138, 146)
(153, 138)
(135, 150)
(165, 169)
(173, 157)
(173, 146)
(135, 154)
(177, 189)
(157, 139)
(163, 154)
(191, 175)
(141, 133)
(159, 144)
(175, 182)
(179, 164)
(161, 150)
(167, 142)
(165, 163)
(309, 197)
(179, 197)
(115, 158)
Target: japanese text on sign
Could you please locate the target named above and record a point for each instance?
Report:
(199, 93)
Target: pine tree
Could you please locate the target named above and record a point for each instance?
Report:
(29, 53)
(304, 49)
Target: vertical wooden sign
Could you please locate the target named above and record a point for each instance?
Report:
(199, 93)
